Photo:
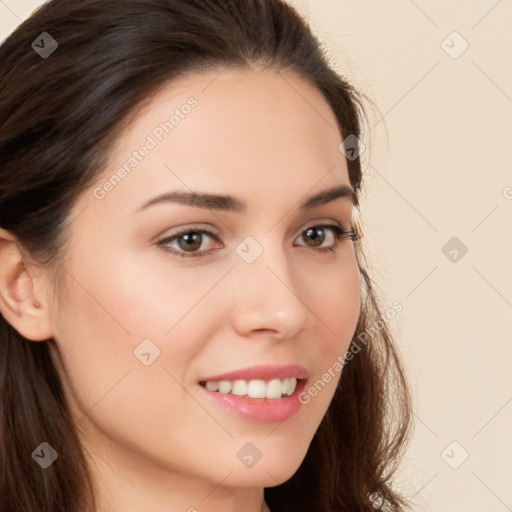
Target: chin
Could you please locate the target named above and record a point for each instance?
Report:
(270, 474)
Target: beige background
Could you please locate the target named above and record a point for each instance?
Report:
(439, 167)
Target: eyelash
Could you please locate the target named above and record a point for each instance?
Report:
(340, 234)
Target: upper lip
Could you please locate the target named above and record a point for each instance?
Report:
(263, 372)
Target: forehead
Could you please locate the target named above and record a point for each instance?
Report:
(246, 131)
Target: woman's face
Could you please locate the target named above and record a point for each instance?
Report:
(141, 328)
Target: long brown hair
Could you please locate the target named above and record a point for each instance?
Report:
(59, 114)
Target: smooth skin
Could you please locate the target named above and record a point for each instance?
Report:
(154, 440)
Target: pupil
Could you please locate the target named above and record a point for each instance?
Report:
(191, 241)
(316, 234)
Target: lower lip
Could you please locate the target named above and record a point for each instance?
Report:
(264, 410)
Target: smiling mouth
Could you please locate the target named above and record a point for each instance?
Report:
(255, 388)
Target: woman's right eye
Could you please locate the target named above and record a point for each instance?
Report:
(192, 241)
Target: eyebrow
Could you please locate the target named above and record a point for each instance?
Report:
(232, 204)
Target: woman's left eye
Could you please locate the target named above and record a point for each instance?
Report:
(191, 239)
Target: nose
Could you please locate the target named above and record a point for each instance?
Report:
(267, 297)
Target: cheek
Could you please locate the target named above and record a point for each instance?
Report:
(153, 296)
(95, 344)
(116, 318)
(338, 310)
(339, 304)
(110, 389)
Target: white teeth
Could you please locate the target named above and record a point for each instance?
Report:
(274, 389)
(256, 388)
(292, 383)
(284, 386)
(212, 385)
(239, 388)
(225, 386)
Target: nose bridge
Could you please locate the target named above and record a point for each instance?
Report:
(267, 295)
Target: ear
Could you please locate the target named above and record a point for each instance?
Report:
(23, 297)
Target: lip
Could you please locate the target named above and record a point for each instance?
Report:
(262, 372)
(261, 410)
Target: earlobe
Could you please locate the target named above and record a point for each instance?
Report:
(22, 299)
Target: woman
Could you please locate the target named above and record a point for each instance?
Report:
(187, 322)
